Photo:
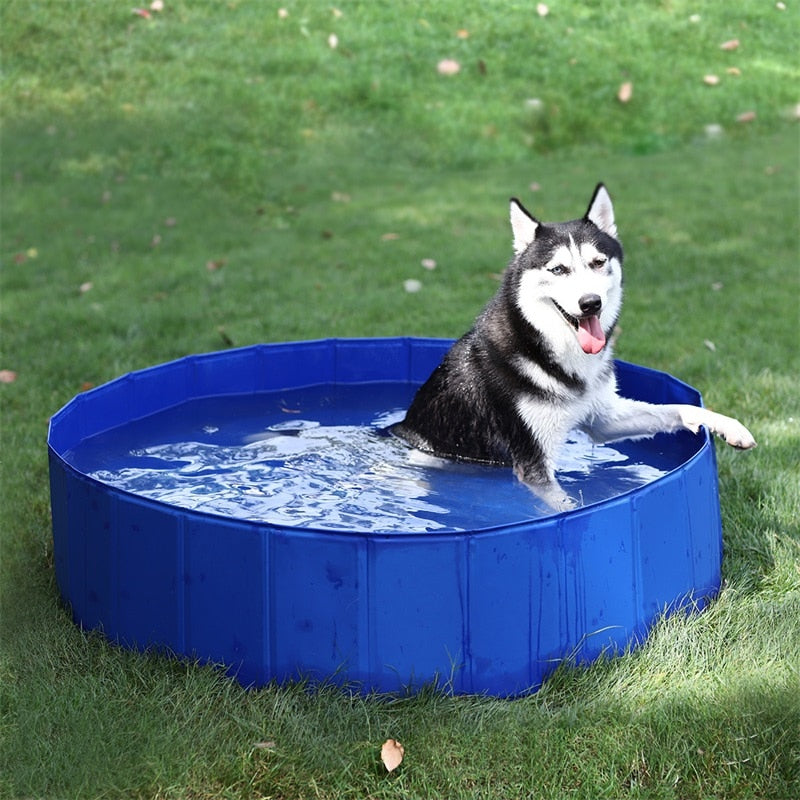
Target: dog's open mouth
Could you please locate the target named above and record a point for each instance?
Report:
(590, 333)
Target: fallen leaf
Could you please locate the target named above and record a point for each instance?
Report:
(390, 237)
(219, 263)
(86, 287)
(412, 285)
(141, 12)
(156, 240)
(333, 41)
(717, 285)
(714, 130)
(746, 116)
(535, 187)
(542, 10)
(711, 80)
(710, 345)
(224, 335)
(7, 376)
(337, 13)
(340, 197)
(625, 92)
(428, 263)
(447, 66)
(733, 71)
(86, 385)
(463, 33)
(20, 258)
(264, 745)
(731, 44)
(170, 222)
(32, 252)
(392, 754)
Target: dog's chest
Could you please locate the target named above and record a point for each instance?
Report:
(552, 408)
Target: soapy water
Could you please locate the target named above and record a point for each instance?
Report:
(319, 458)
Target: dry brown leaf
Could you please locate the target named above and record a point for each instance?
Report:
(264, 745)
(731, 44)
(447, 66)
(463, 33)
(625, 92)
(746, 116)
(7, 376)
(733, 71)
(392, 754)
(390, 237)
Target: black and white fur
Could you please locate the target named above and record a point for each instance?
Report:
(537, 363)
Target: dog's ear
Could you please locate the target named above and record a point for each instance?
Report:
(523, 226)
(601, 212)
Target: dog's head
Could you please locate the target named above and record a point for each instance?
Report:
(569, 273)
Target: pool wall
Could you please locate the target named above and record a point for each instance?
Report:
(490, 610)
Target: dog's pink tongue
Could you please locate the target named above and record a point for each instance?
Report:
(590, 335)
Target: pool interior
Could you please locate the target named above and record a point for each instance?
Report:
(318, 457)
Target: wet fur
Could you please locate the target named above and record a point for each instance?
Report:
(509, 391)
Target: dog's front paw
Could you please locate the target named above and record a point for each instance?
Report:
(563, 503)
(731, 430)
(736, 435)
(553, 495)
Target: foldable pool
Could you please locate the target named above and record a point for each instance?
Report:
(247, 508)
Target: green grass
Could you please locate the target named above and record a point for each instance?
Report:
(135, 152)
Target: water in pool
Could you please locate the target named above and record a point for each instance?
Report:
(316, 458)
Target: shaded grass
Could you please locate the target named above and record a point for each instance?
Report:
(135, 152)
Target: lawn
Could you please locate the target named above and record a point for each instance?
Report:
(224, 173)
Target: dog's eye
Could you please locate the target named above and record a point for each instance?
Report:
(598, 262)
(559, 269)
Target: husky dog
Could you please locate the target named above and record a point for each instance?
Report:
(537, 362)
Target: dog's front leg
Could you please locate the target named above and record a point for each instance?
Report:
(635, 419)
(545, 487)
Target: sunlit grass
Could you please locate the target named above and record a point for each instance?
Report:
(136, 153)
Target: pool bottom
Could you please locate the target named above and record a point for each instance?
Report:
(318, 458)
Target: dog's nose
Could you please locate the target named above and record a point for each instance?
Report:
(590, 304)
